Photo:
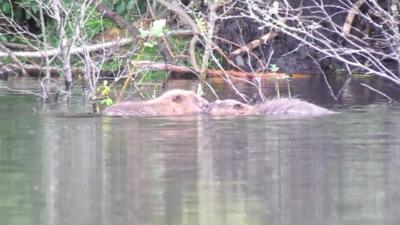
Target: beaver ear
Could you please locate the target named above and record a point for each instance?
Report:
(238, 106)
(177, 99)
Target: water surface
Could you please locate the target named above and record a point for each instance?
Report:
(339, 169)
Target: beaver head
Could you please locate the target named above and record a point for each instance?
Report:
(230, 107)
(181, 102)
(175, 102)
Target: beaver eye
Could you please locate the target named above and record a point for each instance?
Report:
(237, 106)
(177, 99)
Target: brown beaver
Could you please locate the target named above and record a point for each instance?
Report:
(231, 107)
(172, 103)
(291, 107)
(281, 107)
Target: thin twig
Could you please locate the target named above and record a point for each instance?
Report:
(377, 91)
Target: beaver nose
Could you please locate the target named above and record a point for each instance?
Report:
(207, 107)
(204, 105)
(217, 102)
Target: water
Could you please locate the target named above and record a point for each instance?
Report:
(340, 169)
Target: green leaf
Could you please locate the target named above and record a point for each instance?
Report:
(35, 9)
(120, 7)
(149, 44)
(106, 91)
(6, 8)
(18, 15)
(274, 68)
(144, 33)
(158, 28)
(131, 5)
(107, 101)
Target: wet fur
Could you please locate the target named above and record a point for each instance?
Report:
(280, 107)
(172, 103)
(231, 107)
(291, 107)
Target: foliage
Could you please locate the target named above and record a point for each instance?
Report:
(201, 23)
(96, 24)
(153, 76)
(156, 30)
(107, 101)
(19, 10)
(273, 68)
(105, 94)
(147, 53)
(111, 65)
(22, 10)
(130, 9)
(26, 12)
(5, 7)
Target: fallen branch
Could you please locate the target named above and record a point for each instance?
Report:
(210, 72)
(90, 48)
(254, 44)
(16, 46)
(350, 17)
(13, 58)
(113, 16)
(75, 50)
(35, 70)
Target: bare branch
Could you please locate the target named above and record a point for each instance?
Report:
(13, 57)
(350, 17)
(186, 19)
(75, 50)
(254, 44)
(210, 72)
(115, 17)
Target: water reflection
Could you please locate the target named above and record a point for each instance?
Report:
(20, 162)
(334, 170)
(340, 169)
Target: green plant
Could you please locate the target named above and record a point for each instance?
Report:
(105, 94)
(156, 30)
(274, 69)
(111, 64)
(130, 9)
(152, 76)
(5, 7)
(96, 24)
(201, 23)
(19, 10)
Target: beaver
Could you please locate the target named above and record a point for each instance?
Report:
(231, 107)
(281, 107)
(175, 102)
(291, 107)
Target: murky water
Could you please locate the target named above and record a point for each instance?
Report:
(340, 169)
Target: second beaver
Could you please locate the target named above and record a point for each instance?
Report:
(175, 102)
(281, 107)
(231, 107)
